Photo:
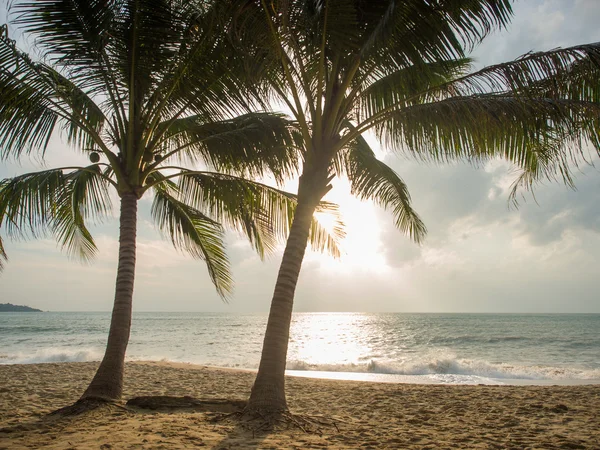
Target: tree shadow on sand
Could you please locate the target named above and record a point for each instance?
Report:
(253, 427)
(166, 403)
(50, 427)
(234, 425)
(218, 411)
(242, 428)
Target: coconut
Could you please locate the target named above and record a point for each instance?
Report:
(94, 157)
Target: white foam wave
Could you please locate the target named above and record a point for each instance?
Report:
(53, 354)
(451, 365)
(440, 366)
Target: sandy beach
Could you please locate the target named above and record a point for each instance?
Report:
(368, 415)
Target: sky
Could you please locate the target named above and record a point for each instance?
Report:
(480, 255)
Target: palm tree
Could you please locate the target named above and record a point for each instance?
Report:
(139, 87)
(398, 69)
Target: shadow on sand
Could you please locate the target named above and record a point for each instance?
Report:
(219, 411)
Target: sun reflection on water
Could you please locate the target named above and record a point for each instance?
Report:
(323, 339)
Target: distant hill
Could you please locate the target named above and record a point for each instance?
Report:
(9, 307)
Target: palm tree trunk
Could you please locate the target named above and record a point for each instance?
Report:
(108, 381)
(268, 392)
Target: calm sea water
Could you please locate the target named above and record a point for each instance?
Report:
(441, 348)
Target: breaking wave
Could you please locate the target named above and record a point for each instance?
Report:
(53, 354)
(451, 365)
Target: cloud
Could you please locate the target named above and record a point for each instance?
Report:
(541, 25)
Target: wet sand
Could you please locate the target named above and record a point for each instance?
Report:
(367, 415)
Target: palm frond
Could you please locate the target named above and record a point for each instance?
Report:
(27, 202)
(261, 212)
(35, 98)
(323, 240)
(429, 31)
(569, 72)
(76, 39)
(204, 75)
(51, 201)
(528, 133)
(196, 234)
(254, 145)
(73, 34)
(27, 119)
(415, 84)
(3, 257)
(85, 118)
(372, 179)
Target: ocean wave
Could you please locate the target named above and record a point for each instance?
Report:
(53, 354)
(17, 329)
(442, 367)
(478, 339)
(451, 365)
(470, 340)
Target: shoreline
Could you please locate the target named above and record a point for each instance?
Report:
(371, 377)
(374, 377)
(369, 415)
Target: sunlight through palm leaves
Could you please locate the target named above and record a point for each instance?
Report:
(140, 87)
(399, 69)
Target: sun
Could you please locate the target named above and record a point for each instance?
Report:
(362, 247)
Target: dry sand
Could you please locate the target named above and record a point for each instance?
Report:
(369, 415)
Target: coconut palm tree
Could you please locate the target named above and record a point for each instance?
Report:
(398, 69)
(140, 87)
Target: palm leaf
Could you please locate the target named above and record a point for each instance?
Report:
(253, 144)
(203, 74)
(86, 119)
(195, 233)
(428, 31)
(527, 133)
(262, 213)
(73, 33)
(559, 73)
(415, 84)
(27, 119)
(371, 179)
(35, 97)
(3, 257)
(51, 201)
(323, 240)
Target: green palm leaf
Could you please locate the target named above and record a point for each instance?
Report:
(26, 118)
(195, 233)
(566, 73)
(371, 179)
(36, 98)
(3, 256)
(257, 211)
(533, 134)
(323, 240)
(52, 201)
(434, 32)
(254, 144)
(203, 73)
(415, 84)
(264, 214)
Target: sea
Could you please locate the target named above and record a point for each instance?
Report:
(382, 347)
